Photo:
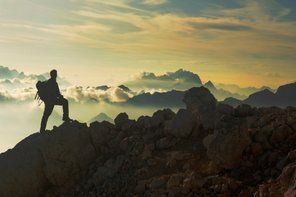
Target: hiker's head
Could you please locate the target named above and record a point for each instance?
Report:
(53, 74)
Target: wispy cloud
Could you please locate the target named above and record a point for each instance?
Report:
(250, 33)
(154, 2)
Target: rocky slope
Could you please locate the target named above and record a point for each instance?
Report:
(207, 149)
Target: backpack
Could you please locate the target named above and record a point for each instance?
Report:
(42, 93)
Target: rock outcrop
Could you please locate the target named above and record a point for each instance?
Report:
(207, 149)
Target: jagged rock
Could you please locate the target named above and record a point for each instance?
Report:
(224, 109)
(280, 134)
(157, 119)
(60, 159)
(285, 184)
(201, 103)
(123, 122)
(133, 145)
(141, 186)
(23, 165)
(292, 156)
(144, 122)
(225, 148)
(121, 119)
(102, 133)
(166, 142)
(256, 149)
(102, 174)
(67, 153)
(147, 152)
(245, 151)
(158, 183)
(175, 181)
(161, 116)
(182, 124)
(244, 110)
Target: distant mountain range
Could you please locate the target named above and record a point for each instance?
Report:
(232, 101)
(168, 90)
(100, 118)
(244, 91)
(11, 79)
(105, 88)
(283, 97)
(168, 99)
(220, 93)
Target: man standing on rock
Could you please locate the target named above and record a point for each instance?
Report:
(50, 94)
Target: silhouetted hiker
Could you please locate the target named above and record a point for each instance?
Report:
(49, 93)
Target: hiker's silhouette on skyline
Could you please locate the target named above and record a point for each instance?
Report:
(50, 94)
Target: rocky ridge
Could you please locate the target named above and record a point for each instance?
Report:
(207, 149)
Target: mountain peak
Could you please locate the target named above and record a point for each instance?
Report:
(101, 117)
(210, 85)
(124, 88)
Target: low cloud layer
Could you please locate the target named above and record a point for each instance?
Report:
(18, 95)
(93, 94)
(11, 79)
(16, 86)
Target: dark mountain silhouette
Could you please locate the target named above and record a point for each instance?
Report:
(245, 91)
(284, 96)
(103, 87)
(125, 88)
(171, 98)
(232, 101)
(100, 118)
(219, 93)
(261, 98)
(158, 99)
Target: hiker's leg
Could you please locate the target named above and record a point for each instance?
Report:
(47, 111)
(64, 102)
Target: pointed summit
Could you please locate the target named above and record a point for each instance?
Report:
(210, 85)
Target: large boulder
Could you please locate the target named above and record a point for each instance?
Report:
(55, 161)
(22, 168)
(201, 103)
(182, 124)
(67, 154)
(284, 185)
(122, 121)
(158, 119)
(102, 134)
(160, 116)
(225, 148)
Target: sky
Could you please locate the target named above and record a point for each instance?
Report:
(93, 42)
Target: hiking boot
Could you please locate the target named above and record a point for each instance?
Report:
(67, 119)
(43, 131)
